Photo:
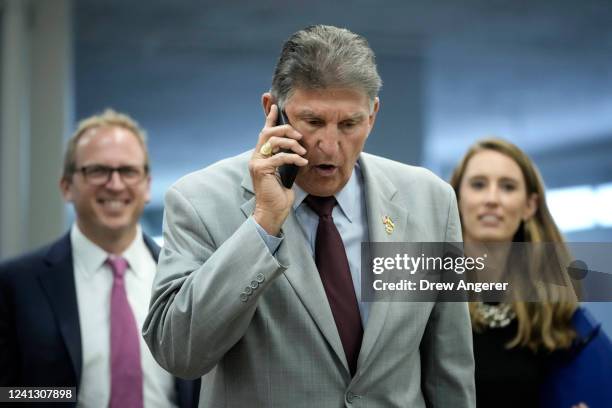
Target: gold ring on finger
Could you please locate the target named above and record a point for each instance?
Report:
(266, 149)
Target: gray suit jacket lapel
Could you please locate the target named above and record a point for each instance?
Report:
(304, 276)
(380, 194)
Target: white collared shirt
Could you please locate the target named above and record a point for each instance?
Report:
(93, 282)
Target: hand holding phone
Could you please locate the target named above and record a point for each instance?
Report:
(273, 200)
(287, 172)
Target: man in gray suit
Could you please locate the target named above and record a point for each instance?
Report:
(258, 285)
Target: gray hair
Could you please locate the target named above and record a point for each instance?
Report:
(320, 57)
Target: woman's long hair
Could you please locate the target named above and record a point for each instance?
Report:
(545, 324)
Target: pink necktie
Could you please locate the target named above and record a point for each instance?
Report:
(126, 371)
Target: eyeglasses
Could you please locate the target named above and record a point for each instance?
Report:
(98, 174)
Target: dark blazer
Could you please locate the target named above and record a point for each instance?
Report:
(40, 337)
(584, 374)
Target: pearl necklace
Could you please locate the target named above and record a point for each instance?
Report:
(496, 316)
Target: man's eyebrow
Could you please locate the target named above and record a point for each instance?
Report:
(307, 113)
(356, 117)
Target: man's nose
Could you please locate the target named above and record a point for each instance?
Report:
(329, 141)
(115, 182)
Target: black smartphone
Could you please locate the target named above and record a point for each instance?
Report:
(287, 172)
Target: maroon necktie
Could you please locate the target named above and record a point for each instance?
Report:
(333, 266)
(126, 371)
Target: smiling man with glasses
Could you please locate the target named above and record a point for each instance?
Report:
(106, 177)
(71, 313)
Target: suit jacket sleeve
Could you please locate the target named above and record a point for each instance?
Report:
(446, 348)
(8, 346)
(199, 307)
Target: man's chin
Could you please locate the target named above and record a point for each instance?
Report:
(322, 191)
(116, 226)
(320, 186)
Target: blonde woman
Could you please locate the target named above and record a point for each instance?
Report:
(519, 345)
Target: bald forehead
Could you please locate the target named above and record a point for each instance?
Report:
(108, 133)
(110, 139)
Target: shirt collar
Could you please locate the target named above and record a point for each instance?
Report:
(91, 257)
(347, 198)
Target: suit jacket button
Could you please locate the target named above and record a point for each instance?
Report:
(254, 284)
(260, 277)
(248, 290)
(244, 297)
(350, 397)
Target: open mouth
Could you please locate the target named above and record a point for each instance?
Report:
(489, 219)
(325, 169)
(326, 166)
(112, 204)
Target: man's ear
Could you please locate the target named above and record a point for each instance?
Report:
(267, 102)
(64, 185)
(375, 108)
(148, 193)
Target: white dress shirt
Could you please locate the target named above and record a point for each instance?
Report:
(94, 281)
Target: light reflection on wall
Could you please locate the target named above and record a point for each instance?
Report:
(581, 207)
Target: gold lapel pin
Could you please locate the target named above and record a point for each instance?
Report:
(389, 225)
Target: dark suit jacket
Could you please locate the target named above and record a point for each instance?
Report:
(40, 337)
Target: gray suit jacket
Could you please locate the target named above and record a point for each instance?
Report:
(279, 346)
